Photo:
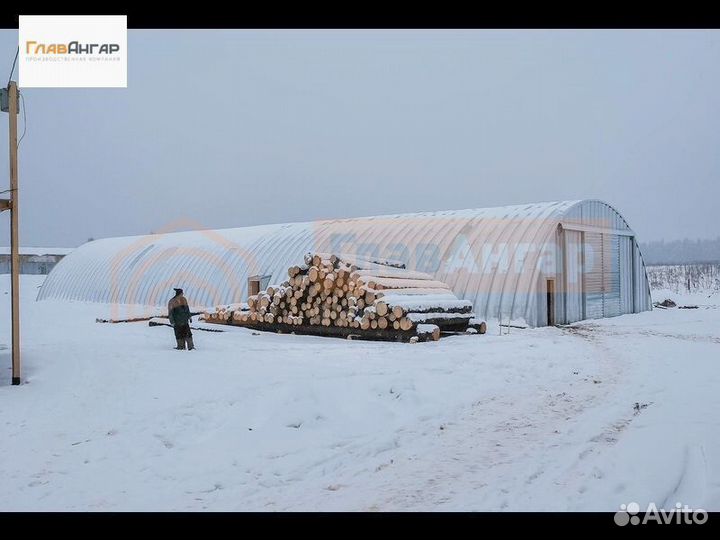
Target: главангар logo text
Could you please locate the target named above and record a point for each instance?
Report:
(73, 47)
(72, 51)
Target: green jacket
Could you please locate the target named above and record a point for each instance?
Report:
(178, 310)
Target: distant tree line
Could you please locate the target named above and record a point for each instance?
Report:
(681, 251)
(701, 277)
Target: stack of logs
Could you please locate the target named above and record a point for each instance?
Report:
(347, 294)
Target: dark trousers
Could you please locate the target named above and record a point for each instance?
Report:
(182, 331)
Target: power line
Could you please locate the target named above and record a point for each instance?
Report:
(22, 98)
(17, 52)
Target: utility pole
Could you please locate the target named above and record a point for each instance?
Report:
(14, 246)
(10, 105)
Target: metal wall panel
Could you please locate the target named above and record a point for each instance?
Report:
(602, 275)
(574, 276)
(643, 300)
(627, 301)
(611, 275)
(624, 288)
(593, 275)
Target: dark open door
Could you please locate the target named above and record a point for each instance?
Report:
(551, 302)
(253, 285)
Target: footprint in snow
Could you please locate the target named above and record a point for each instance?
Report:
(166, 443)
(36, 483)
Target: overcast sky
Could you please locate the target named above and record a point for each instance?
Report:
(233, 128)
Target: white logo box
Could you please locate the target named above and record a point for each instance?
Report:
(72, 51)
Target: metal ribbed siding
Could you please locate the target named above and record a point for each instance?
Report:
(573, 298)
(611, 275)
(627, 304)
(643, 300)
(593, 276)
(468, 249)
(619, 285)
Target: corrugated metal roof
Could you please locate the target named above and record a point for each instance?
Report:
(38, 251)
(465, 248)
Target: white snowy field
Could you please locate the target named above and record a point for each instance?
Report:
(110, 417)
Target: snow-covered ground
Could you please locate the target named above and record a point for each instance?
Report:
(110, 417)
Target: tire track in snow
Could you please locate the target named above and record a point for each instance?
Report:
(503, 443)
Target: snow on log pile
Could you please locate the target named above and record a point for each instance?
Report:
(347, 295)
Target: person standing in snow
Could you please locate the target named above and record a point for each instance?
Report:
(180, 318)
